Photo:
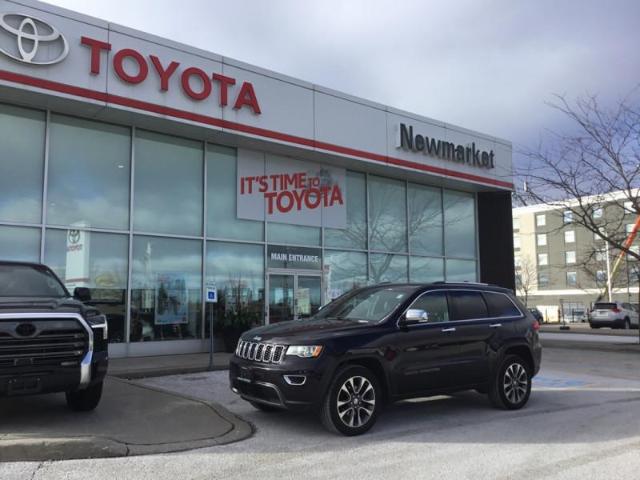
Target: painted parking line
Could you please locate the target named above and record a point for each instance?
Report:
(547, 381)
(590, 338)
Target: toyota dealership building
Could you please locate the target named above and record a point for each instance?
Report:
(191, 191)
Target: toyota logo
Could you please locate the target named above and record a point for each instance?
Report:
(74, 236)
(26, 329)
(31, 36)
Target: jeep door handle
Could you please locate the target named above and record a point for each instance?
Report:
(452, 329)
(495, 325)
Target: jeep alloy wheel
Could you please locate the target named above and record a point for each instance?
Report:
(352, 402)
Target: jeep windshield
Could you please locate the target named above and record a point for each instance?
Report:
(29, 281)
(368, 305)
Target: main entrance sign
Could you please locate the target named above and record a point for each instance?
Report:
(299, 258)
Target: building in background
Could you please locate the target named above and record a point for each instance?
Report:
(185, 189)
(562, 267)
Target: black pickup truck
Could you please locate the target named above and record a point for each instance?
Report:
(49, 340)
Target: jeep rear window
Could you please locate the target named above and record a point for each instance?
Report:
(605, 306)
(29, 281)
(500, 306)
(369, 305)
(467, 305)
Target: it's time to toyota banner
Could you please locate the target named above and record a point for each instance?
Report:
(285, 190)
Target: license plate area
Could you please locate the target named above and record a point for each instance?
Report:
(24, 385)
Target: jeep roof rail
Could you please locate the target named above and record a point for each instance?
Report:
(458, 283)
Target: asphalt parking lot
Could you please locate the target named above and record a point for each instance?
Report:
(583, 421)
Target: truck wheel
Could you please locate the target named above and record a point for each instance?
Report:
(511, 386)
(352, 402)
(85, 400)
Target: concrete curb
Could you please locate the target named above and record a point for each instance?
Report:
(163, 372)
(240, 428)
(14, 448)
(19, 449)
(596, 346)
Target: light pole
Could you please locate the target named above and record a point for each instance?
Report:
(606, 246)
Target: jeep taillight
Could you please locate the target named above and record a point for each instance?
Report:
(616, 310)
(535, 325)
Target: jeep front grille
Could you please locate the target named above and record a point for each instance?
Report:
(260, 352)
(56, 342)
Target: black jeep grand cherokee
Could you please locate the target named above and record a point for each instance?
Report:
(388, 342)
(49, 342)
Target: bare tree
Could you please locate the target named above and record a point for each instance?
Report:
(525, 278)
(577, 173)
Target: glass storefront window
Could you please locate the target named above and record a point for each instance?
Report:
(343, 271)
(166, 292)
(168, 184)
(221, 198)
(22, 164)
(387, 268)
(426, 270)
(89, 169)
(459, 224)
(97, 261)
(461, 270)
(387, 215)
(237, 271)
(355, 235)
(19, 244)
(285, 234)
(425, 220)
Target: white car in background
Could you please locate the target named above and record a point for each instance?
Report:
(614, 315)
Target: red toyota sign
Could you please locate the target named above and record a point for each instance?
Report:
(194, 82)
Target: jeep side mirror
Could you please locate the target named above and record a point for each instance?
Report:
(414, 316)
(82, 293)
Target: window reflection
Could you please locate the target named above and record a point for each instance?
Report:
(460, 225)
(168, 184)
(221, 198)
(286, 234)
(425, 220)
(387, 268)
(97, 261)
(343, 271)
(387, 214)
(237, 272)
(426, 270)
(89, 172)
(166, 295)
(461, 270)
(355, 235)
(22, 164)
(19, 244)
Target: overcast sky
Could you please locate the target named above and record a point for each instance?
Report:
(484, 65)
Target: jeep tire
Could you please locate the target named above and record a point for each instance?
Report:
(511, 386)
(352, 402)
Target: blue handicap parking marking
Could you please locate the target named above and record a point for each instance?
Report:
(557, 382)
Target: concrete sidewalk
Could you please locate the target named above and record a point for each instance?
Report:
(132, 419)
(158, 366)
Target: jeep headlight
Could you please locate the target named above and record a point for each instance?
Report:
(305, 351)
